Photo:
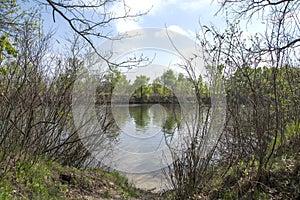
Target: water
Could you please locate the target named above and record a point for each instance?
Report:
(140, 149)
(138, 143)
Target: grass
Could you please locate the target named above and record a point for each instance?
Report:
(279, 181)
(46, 179)
(30, 181)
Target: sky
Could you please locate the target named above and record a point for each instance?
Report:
(181, 16)
(176, 15)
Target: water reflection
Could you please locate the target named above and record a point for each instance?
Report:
(141, 135)
(140, 114)
(147, 120)
(173, 118)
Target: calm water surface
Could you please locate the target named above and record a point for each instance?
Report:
(140, 148)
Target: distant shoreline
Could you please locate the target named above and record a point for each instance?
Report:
(100, 99)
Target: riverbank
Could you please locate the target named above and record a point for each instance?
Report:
(45, 179)
(152, 99)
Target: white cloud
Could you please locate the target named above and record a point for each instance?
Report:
(177, 29)
(173, 30)
(135, 7)
(139, 6)
(151, 8)
(194, 5)
(125, 25)
(186, 32)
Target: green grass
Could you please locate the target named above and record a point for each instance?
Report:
(279, 180)
(30, 181)
(43, 180)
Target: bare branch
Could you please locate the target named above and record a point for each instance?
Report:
(81, 21)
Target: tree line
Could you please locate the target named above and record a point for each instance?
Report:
(162, 89)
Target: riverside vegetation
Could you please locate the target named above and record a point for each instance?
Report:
(42, 155)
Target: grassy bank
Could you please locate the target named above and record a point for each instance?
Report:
(46, 179)
(281, 180)
(234, 178)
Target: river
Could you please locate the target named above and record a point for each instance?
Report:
(141, 146)
(142, 135)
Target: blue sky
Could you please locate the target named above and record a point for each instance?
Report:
(177, 15)
(182, 16)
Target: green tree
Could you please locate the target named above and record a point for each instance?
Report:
(140, 84)
(157, 88)
(183, 85)
(168, 80)
(123, 85)
(111, 78)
